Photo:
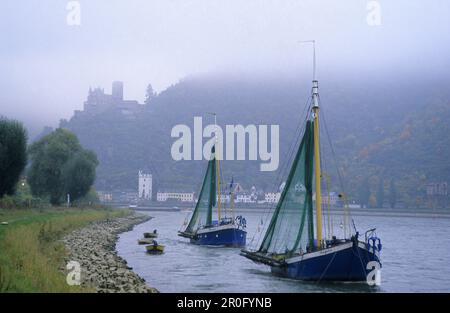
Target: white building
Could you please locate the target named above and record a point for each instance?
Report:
(334, 198)
(224, 198)
(245, 198)
(145, 186)
(105, 196)
(179, 196)
(272, 197)
(354, 206)
(331, 199)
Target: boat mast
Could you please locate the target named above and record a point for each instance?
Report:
(231, 199)
(317, 173)
(217, 169)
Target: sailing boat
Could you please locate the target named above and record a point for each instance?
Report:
(290, 246)
(202, 229)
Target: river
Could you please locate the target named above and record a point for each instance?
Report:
(415, 258)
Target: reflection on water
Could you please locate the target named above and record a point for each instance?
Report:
(415, 258)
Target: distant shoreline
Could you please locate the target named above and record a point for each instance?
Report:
(429, 213)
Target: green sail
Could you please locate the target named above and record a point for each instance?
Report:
(202, 215)
(286, 232)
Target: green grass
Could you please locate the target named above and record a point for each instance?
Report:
(31, 257)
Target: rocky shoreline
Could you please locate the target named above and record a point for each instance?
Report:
(101, 268)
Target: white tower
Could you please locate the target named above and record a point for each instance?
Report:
(145, 186)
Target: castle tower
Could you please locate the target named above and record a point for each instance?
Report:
(145, 186)
(117, 90)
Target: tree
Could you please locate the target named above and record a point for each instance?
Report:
(13, 156)
(78, 174)
(60, 166)
(91, 198)
(392, 194)
(380, 194)
(149, 94)
(364, 193)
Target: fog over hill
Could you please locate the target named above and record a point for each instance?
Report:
(381, 130)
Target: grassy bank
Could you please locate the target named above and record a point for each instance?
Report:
(31, 257)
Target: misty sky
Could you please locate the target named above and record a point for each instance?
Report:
(47, 66)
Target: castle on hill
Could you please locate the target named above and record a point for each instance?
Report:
(98, 102)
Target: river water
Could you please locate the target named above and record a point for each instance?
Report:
(415, 257)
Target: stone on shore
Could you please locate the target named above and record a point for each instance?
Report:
(101, 268)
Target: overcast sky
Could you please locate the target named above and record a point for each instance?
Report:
(47, 65)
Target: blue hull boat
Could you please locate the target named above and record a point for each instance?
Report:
(349, 260)
(201, 228)
(345, 262)
(226, 235)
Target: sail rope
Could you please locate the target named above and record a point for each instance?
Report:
(288, 157)
(359, 257)
(347, 214)
(283, 237)
(326, 268)
(323, 172)
(285, 233)
(277, 182)
(206, 199)
(222, 189)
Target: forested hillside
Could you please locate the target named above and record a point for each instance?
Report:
(384, 133)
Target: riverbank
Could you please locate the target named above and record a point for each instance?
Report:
(36, 244)
(32, 256)
(101, 268)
